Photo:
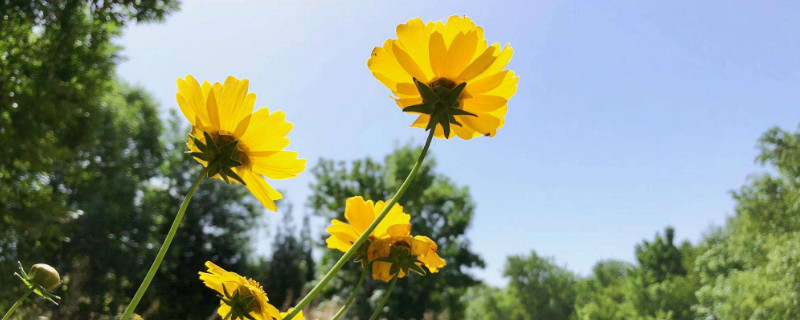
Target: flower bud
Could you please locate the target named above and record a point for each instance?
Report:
(45, 276)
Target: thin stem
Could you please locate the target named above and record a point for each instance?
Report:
(356, 245)
(365, 267)
(164, 247)
(17, 304)
(385, 298)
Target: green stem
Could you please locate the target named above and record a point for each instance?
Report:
(356, 245)
(385, 298)
(365, 267)
(17, 304)
(163, 251)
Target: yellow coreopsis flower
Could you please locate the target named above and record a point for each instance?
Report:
(240, 297)
(360, 214)
(244, 146)
(448, 74)
(402, 253)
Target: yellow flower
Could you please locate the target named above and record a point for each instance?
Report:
(360, 214)
(402, 253)
(444, 56)
(224, 113)
(235, 291)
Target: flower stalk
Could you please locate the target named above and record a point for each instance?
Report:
(163, 250)
(17, 304)
(365, 269)
(363, 238)
(384, 299)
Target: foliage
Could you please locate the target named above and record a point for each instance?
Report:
(749, 269)
(61, 113)
(489, 303)
(291, 266)
(88, 178)
(543, 289)
(439, 209)
(658, 287)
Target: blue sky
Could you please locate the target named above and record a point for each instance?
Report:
(630, 115)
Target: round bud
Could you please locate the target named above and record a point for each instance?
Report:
(45, 276)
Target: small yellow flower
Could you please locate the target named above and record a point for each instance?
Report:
(442, 57)
(360, 214)
(400, 254)
(224, 114)
(240, 297)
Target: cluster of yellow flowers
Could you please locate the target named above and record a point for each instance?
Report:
(391, 249)
(444, 72)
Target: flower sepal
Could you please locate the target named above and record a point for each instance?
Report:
(222, 156)
(41, 280)
(240, 305)
(440, 101)
(402, 260)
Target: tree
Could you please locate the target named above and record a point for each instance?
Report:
(439, 209)
(489, 303)
(602, 296)
(117, 236)
(660, 259)
(285, 274)
(57, 110)
(749, 267)
(543, 289)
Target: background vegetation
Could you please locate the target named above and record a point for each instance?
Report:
(91, 174)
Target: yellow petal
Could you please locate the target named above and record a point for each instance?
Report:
(382, 61)
(464, 132)
(415, 39)
(438, 52)
(407, 62)
(223, 310)
(213, 112)
(380, 271)
(399, 230)
(484, 103)
(230, 103)
(337, 243)
(260, 189)
(186, 109)
(359, 213)
(460, 53)
(488, 83)
(393, 217)
(379, 249)
(456, 25)
(277, 165)
(479, 65)
(266, 132)
(193, 95)
(485, 124)
(507, 88)
(246, 115)
(500, 63)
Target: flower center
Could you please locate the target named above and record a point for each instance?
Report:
(443, 83)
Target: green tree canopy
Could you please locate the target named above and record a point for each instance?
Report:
(749, 267)
(544, 290)
(63, 119)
